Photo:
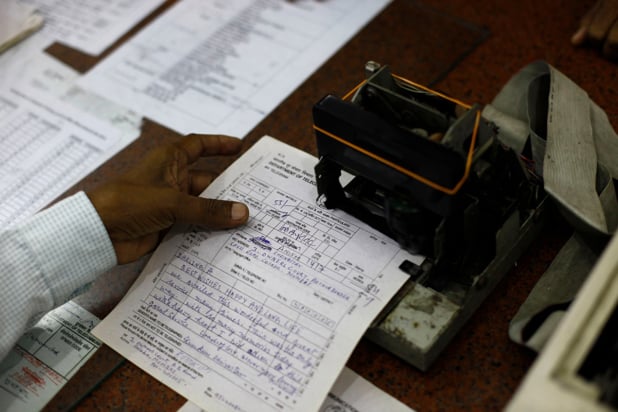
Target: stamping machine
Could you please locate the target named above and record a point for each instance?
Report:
(428, 171)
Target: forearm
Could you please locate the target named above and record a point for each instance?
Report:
(47, 260)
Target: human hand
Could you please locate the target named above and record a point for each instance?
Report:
(159, 191)
(599, 27)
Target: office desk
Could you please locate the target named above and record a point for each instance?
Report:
(479, 48)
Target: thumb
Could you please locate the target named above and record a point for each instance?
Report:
(213, 213)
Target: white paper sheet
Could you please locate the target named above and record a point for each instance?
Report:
(47, 146)
(263, 317)
(90, 26)
(351, 393)
(46, 357)
(17, 21)
(221, 67)
(46, 76)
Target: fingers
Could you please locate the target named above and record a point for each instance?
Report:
(168, 164)
(602, 21)
(610, 48)
(130, 250)
(212, 213)
(581, 34)
(199, 180)
(597, 23)
(197, 145)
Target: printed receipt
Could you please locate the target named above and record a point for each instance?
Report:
(262, 317)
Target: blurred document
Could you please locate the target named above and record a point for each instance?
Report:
(351, 393)
(222, 66)
(47, 147)
(17, 21)
(90, 26)
(46, 357)
(261, 317)
(46, 76)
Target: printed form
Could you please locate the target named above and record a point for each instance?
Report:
(261, 317)
(90, 26)
(222, 66)
(46, 357)
(47, 146)
(351, 393)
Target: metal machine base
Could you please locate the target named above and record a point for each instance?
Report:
(419, 322)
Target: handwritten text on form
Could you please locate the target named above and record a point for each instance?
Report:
(263, 317)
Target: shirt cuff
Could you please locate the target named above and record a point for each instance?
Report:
(71, 245)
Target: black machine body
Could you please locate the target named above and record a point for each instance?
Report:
(425, 169)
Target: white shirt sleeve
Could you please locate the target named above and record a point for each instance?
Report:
(47, 260)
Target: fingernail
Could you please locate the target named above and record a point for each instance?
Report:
(239, 211)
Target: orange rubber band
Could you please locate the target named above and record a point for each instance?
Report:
(415, 176)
